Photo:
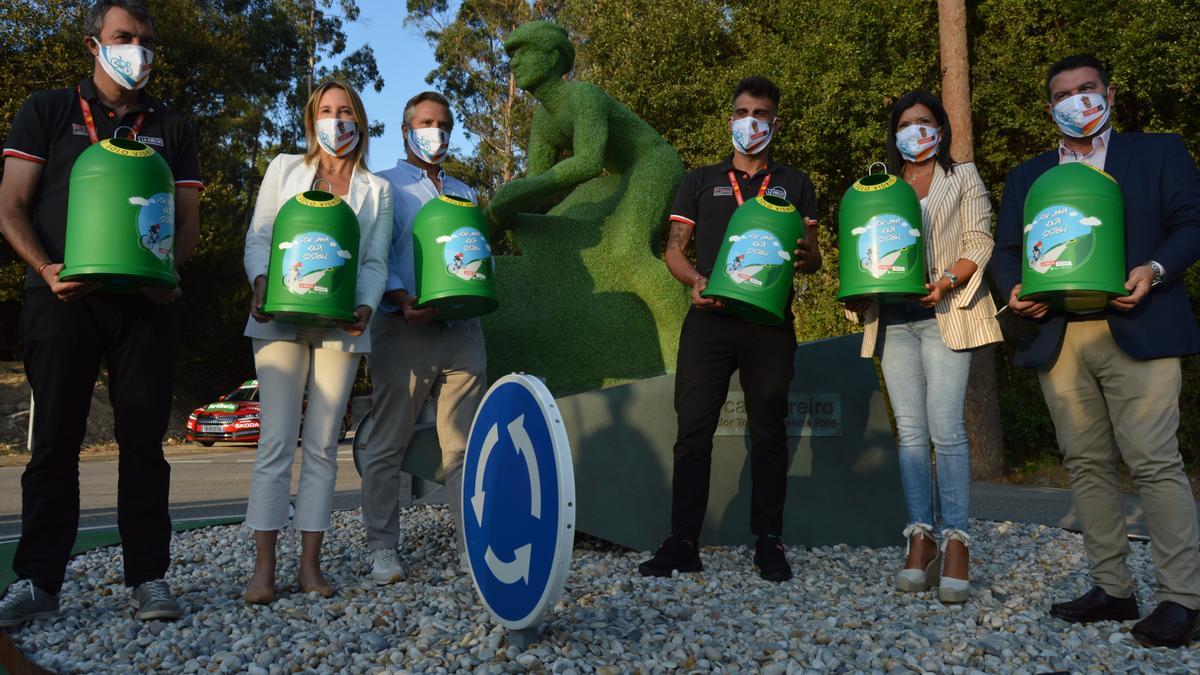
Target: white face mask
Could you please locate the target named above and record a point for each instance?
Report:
(337, 137)
(1082, 115)
(128, 65)
(918, 142)
(751, 135)
(429, 143)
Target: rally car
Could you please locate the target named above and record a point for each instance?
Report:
(234, 417)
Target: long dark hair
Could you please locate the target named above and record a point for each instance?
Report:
(894, 160)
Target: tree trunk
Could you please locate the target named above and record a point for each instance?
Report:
(982, 412)
(956, 76)
(982, 415)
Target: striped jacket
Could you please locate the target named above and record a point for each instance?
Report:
(958, 224)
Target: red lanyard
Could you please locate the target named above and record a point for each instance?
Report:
(90, 122)
(737, 189)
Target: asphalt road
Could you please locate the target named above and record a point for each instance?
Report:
(204, 485)
(213, 483)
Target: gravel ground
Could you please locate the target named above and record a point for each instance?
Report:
(839, 614)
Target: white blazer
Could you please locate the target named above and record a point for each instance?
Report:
(370, 198)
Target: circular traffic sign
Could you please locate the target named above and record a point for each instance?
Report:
(518, 501)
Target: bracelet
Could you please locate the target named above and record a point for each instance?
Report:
(42, 267)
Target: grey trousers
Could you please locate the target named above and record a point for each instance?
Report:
(409, 364)
(1107, 407)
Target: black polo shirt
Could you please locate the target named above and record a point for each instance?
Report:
(706, 200)
(49, 129)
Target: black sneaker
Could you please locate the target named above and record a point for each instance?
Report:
(25, 602)
(675, 554)
(769, 559)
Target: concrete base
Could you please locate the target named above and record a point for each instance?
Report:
(843, 478)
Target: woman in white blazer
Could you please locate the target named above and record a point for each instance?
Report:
(925, 344)
(291, 359)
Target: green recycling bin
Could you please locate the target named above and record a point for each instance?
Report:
(313, 275)
(120, 217)
(753, 270)
(1074, 239)
(880, 243)
(453, 261)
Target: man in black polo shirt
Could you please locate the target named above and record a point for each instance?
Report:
(712, 344)
(68, 327)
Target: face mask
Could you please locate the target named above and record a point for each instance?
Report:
(918, 142)
(1082, 115)
(428, 143)
(751, 135)
(128, 65)
(337, 137)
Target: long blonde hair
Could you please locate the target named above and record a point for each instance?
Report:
(359, 154)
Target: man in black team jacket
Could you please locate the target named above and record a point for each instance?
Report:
(713, 344)
(69, 327)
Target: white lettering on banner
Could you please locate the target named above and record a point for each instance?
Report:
(808, 415)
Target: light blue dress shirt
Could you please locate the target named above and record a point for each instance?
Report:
(411, 189)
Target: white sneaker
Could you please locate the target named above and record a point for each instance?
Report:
(386, 567)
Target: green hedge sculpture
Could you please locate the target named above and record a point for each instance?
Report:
(586, 302)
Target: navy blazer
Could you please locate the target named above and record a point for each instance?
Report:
(1162, 223)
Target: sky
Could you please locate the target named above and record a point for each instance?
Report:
(404, 59)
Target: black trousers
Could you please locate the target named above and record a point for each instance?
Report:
(63, 344)
(711, 347)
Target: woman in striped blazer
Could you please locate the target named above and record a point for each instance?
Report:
(925, 343)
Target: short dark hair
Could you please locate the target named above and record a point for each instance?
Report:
(95, 15)
(421, 98)
(908, 100)
(758, 87)
(1073, 62)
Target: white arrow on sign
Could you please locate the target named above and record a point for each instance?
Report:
(489, 442)
(518, 569)
(524, 445)
(510, 572)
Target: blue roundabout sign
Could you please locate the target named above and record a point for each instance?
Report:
(518, 501)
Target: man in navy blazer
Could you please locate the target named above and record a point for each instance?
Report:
(1112, 378)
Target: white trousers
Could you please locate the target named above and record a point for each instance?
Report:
(285, 368)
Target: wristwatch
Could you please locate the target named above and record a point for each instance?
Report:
(1160, 275)
(947, 274)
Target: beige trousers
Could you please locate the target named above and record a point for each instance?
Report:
(1108, 406)
(286, 368)
(409, 364)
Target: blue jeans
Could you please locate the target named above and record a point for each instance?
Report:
(927, 385)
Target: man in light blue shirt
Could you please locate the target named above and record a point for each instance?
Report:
(415, 355)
